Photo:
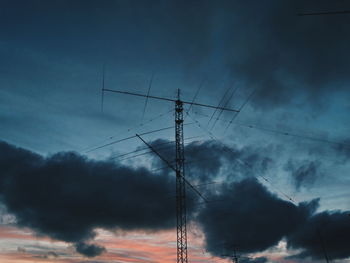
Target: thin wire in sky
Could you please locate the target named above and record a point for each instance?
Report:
(226, 148)
(241, 108)
(149, 89)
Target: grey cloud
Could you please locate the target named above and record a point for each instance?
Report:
(327, 232)
(304, 173)
(209, 160)
(66, 196)
(285, 56)
(250, 217)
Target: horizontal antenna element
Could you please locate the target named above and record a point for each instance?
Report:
(168, 99)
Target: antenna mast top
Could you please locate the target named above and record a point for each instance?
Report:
(168, 99)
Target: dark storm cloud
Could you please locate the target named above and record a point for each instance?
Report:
(285, 56)
(324, 233)
(206, 159)
(252, 219)
(67, 196)
(304, 173)
(264, 45)
(210, 160)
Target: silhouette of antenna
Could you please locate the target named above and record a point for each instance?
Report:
(172, 100)
(179, 167)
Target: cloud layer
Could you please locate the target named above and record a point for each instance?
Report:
(66, 196)
(251, 218)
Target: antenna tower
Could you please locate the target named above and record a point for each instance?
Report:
(179, 166)
(180, 184)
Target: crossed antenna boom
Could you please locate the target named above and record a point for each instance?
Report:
(179, 166)
(168, 99)
(172, 167)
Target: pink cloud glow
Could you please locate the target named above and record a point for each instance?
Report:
(22, 246)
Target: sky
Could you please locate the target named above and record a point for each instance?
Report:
(275, 174)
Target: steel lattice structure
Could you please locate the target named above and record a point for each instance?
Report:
(179, 166)
(180, 184)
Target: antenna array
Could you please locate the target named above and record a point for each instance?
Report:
(179, 168)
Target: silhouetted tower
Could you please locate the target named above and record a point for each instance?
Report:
(179, 166)
(235, 257)
(180, 183)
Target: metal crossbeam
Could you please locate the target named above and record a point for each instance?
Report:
(168, 99)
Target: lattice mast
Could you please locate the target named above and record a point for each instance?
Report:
(180, 183)
(179, 167)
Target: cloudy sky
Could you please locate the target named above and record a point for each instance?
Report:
(276, 174)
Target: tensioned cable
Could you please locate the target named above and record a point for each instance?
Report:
(141, 154)
(172, 167)
(220, 102)
(226, 148)
(292, 134)
(128, 138)
(196, 94)
(140, 150)
(134, 136)
(132, 128)
(225, 105)
(148, 152)
(283, 132)
(159, 144)
(190, 162)
(166, 167)
(149, 89)
(241, 108)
